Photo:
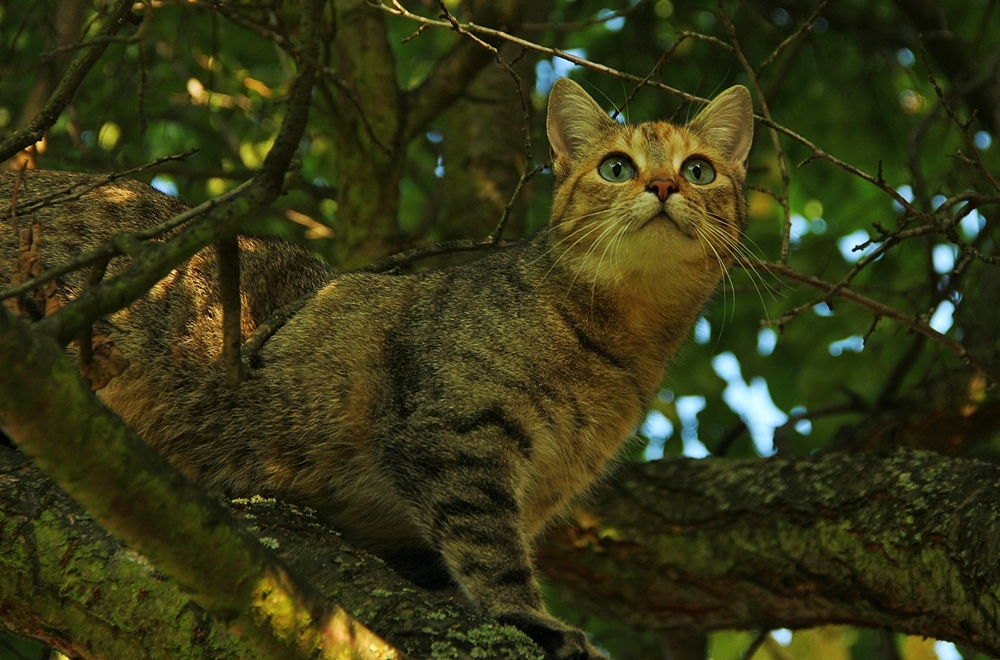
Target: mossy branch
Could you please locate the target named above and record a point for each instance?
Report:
(134, 493)
(905, 542)
(70, 584)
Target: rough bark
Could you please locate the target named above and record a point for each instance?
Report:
(70, 584)
(906, 542)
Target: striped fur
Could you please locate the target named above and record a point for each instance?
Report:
(439, 419)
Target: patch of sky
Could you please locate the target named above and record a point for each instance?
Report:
(943, 257)
(706, 20)
(854, 344)
(702, 331)
(800, 227)
(937, 201)
(942, 319)
(946, 651)
(658, 429)
(846, 245)
(435, 136)
(613, 24)
(972, 224)
(982, 140)
(823, 309)
(803, 426)
(905, 57)
(439, 168)
(821, 26)
(752, 402)
(782, 635)
(779, 16)
(548, 71)
(906, 192)
(164, 185)
(89, 138)
(688, 408)
(767, 339)
(321, 182)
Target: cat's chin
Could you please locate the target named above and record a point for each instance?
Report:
(665, 221)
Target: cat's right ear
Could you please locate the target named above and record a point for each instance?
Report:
(573, 120)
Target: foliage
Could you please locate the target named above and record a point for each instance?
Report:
(904, 93)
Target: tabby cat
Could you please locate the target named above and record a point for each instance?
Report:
(440, 419)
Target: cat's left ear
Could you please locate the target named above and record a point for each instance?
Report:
(574, 119)
(727, 123)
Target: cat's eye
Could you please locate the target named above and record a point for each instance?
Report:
(616, 168)
(698, 170)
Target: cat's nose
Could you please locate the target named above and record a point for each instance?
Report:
(662, 188)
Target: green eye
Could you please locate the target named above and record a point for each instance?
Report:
(698, 170)
(617, 169)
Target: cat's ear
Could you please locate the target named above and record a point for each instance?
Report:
(727, 124)
(573, 120)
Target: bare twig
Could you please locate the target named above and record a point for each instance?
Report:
(755, 645)
(913, 322)
(805, 28)
(579, 25)
(424, 251)
(272, 324)
(786, 232)
(528, 171)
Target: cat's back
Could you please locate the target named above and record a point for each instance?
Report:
(76, 211)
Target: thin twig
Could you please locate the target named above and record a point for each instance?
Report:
(755, 645)
(786, 232)
(580, 25)
(272, 324)
(399, 259)
(883, 310)
(803, 29)
(528, 172)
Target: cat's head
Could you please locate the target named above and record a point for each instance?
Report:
(651, 199)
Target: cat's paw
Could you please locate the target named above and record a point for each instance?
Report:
(561, 641)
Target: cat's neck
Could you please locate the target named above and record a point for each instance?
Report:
(641, 315)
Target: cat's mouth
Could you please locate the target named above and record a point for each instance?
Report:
(663, 216)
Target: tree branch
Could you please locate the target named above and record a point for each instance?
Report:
(905, 542)
(92, 589)
(138, 496)
(224, 219)
(63, 94)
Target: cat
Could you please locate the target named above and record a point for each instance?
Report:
(439, 419)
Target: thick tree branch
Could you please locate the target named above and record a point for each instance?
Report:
(906, 542)
(67, 582)
(454, 71)
(137, 495)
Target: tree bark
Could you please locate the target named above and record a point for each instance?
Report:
(68, 583)
(905, 542)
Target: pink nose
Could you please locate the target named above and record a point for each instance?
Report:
(662, 188)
